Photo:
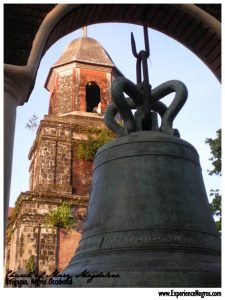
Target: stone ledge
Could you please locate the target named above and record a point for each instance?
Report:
(47, 198)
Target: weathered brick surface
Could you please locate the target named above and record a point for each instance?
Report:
(68, 243)
(31, 236)
(67, 85)
(55, 165)
(44, 164)
(101, 79)
(47, 244)
(81, 174)
(65, 92)
(56, 172)
(63, 165)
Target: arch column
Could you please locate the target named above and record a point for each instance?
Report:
(18, 84)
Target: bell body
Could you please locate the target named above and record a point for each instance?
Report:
(149, 222)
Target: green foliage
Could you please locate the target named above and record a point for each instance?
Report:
(97, 137)
(30, 264)
(215, 207)
(215, 148)
(61, 217)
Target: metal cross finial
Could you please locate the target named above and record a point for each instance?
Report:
(141, 64)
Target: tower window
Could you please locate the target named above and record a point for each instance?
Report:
(92, 96)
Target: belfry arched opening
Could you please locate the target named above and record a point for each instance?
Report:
(92, 96)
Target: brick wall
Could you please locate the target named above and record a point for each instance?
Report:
(65, 92)
(100, 78)
(67, 85)
(55, 165)
(56, 171)
(68, 243)
(31, 236)
(81, 174)
(63, 166)
(44, 165)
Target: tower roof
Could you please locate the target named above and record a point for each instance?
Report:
(87, 50)
(84, 50)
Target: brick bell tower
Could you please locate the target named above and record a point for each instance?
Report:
(79, 84)
(81, 78)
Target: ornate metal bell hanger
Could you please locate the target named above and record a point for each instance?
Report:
(144, 99)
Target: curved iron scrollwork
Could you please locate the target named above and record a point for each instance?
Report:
(133, 122)
(144, 100)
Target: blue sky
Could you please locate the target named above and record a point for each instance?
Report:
(199, 118)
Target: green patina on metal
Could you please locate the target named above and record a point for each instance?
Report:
(144, 99)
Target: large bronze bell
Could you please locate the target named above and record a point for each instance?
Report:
(149, 222)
